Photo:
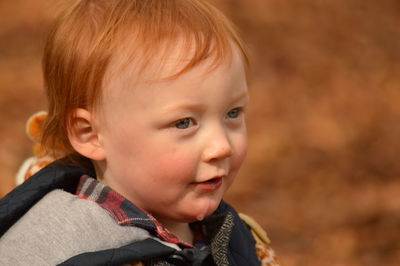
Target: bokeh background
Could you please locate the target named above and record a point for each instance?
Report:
(322, 174)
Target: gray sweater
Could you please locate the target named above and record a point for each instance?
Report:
(62, 225)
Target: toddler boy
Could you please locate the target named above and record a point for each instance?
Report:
(146, 102)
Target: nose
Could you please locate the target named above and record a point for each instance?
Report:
(218, 146)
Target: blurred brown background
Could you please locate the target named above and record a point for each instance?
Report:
(322, 174)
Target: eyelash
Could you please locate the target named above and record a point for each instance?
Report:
(237, 112)
(187, 122)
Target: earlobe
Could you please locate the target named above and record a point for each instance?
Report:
(83, 135)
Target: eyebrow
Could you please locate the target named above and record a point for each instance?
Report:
(241, 96)
(185, 106)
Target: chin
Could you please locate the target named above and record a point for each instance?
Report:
(205, 209)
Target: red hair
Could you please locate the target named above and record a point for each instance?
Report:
(91, 33)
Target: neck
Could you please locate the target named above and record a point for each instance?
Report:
(181, 230)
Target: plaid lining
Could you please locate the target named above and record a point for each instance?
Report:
(123, 211)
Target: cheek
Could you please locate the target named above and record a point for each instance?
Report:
(174, 165)
(240, 150)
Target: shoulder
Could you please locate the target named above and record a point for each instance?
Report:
(265, 253)
(257, 231)
(60, 226)
(247, 230)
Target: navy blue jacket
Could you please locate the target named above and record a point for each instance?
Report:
(60, 175)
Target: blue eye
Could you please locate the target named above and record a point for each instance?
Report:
(234, 113)
(184, 123)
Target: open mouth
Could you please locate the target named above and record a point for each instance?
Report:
(211, 184)
(213, 180)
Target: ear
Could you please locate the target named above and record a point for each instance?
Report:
(83, 135)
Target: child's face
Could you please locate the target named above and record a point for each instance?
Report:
(174, 147)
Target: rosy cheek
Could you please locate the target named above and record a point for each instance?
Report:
(175, 167)
(240, 151)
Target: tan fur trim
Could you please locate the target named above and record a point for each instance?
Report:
(256, 229)
(265, 253)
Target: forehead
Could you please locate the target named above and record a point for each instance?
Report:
(131, 66)
(155, 80)
(171, 59)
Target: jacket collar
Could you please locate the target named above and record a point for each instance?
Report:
(230, 235)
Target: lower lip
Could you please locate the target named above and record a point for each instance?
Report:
(210, 185)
